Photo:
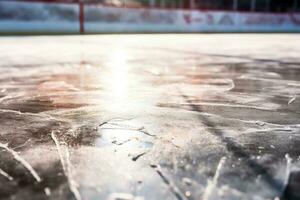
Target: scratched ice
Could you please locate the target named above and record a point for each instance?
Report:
(150, 117)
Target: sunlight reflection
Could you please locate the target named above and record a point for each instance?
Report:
(119, 75)
(119, 80)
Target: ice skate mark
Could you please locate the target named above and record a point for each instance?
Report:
(288, 168)
(287, 174)
(22, 145)
(6, 175)
(280, 127)
(292, 100)
(5, 98)
(2, 99)
(9, 97)
(232, 85)
(124, 127)
(236, 149)
(284, 129)
(47, 191)
(211, 186)
(64, 156)
(22, 161)
(219, 105)
(178, 194)
(10, 111)
(27, 114)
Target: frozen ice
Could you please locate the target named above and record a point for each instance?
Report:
(150, 117)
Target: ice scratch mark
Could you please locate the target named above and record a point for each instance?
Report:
(135, 158)
(116, 119)
(292, 100)
(47, 191)
(22, 145)
(103, 123)
(213, 184)
(9, 97)
(123, 126)
(22, 161)
(146, 133)
(235, 148)
(284, 129)
(124, 196)
(3, 98)
(263, 108)
(287, 173)
(288, 168)
(232, 85)
(172, 143)
(178, 194)
(130, 129)
(121, 143)
(67, 166)
(6, 175)
(27, 114)
(126, 126)
(9, 111)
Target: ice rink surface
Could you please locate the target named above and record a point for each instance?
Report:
(138, 117)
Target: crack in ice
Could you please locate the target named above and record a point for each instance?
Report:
(67, 167)
(292, 100)
(287, 173)
(6, 175)
(174, 189)
(213, 184)
(22, 161)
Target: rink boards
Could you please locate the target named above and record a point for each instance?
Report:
(31, 17)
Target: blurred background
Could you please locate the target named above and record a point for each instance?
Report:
(240, 5)
(106, 16)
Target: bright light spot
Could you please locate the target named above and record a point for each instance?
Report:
(119, 75)
(118, 81)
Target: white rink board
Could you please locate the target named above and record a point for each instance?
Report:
(58, 17)
(101, 19)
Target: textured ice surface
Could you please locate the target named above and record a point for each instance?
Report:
(150, 117)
